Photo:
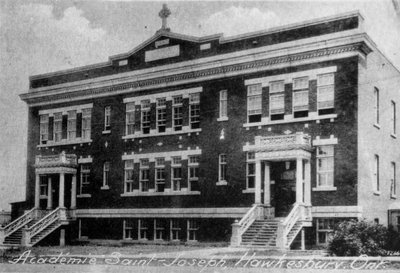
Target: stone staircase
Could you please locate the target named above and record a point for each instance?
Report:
(14, 239)
(262, 233)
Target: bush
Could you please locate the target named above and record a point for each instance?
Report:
(354, 238)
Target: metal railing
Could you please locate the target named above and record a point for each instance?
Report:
(283, 140)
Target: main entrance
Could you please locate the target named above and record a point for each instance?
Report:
(283, 187)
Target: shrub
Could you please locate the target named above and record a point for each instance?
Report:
(354, 238)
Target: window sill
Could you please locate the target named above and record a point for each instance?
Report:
(393, 136)
(43, 197)
(249, 191)
(155, 133)
(223, 119)
(222, 183)
(105, 132)
(290, 119)
(377, 193)
(86, 195)
(377, 126)
(104, 188)
(393, 196)
(164, 193)
(65, 142)
(324, 189)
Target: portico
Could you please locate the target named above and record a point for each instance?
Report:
(52, 173)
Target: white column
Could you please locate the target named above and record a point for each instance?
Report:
(303, 240)
(61, 194)
(37, 191)
(299, 180)
(49, 193)
(73, 192)
(62, 237)
(307, 181)
(267, 184)
(257, 197)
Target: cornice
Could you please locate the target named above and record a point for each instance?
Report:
(193, 75)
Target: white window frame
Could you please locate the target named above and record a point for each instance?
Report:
(177, 113)
(107, 118)
(393, 180)
(71, 125)
(159, 231)
(145, 116)
(129, 181)
(327, 231)
(128, 228)
(326, 173)
(194, 111)
(130, 118)
(222, 168)
(44, 128)
(251, 160)
(159, 169)
(393, 118)
(376, 106)
(161, 115)
(44, 187)
(85, 179)
(192, 229)
(176, 164)
(144, 167)
(86, 123)
(254, 101)
(142, 227)
(223, 105)
(326, 88)
(57, 127)
(376, 175)
(106, 175)
(175, 229)
(193, 165)
(300, 89)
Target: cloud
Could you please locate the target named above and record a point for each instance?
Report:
(237, 20)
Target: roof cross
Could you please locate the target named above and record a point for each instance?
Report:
(164, 13)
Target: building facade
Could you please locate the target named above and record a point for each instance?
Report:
(288, 130)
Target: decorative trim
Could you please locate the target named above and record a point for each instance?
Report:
(185, 130)
(327, 141)
(161, 53)
(202, 212)
(265, 121)
(167, 95)
(336, 211)
(167, 155)
(47, 170)
(65, 142)
(165, 193)
(288, 77)
(65, 110)
(195, 73)
(82, 160)
(283, 155)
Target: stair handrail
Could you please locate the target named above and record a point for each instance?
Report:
(248, 219)
(292, 218)
(19, 222)
(44, 222)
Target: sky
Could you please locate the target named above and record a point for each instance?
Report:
(45, 36)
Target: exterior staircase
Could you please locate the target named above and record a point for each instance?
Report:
(32, 227)
(255, 231)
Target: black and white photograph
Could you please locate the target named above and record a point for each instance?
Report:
(200, 136)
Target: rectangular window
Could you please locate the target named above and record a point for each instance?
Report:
(325, 166)
(43, 186)
(325, 93)
(251, 171)
(376, 173)
(161, 115)
(130, 118)
(300, 97)
(393, 180)
(85, 179)
(175, 229)
(176, 173)
(159, 229)
(57, 127)
(276, 106)
(222, 167)
(145, 116)
(107, 118)
(86, 123)
(44, 129)
(71, 126)
(376, 98)
(106, 174)
(177, 113)
(324, 229)
(128, 229)
(194, 105)
(192, 228)
(143, 227)
(193, 173)
(254, 103)
(393, 119)
(129, 175)
(223, 104)
(144, 174)
(160, 174)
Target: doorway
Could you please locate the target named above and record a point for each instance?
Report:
(283, 187)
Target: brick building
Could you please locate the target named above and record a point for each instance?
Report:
(259, 139)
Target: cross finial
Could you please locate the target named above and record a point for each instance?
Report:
(164, 13)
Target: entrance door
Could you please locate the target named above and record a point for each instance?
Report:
(283, 189)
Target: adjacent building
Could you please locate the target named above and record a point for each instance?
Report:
(256, 139)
